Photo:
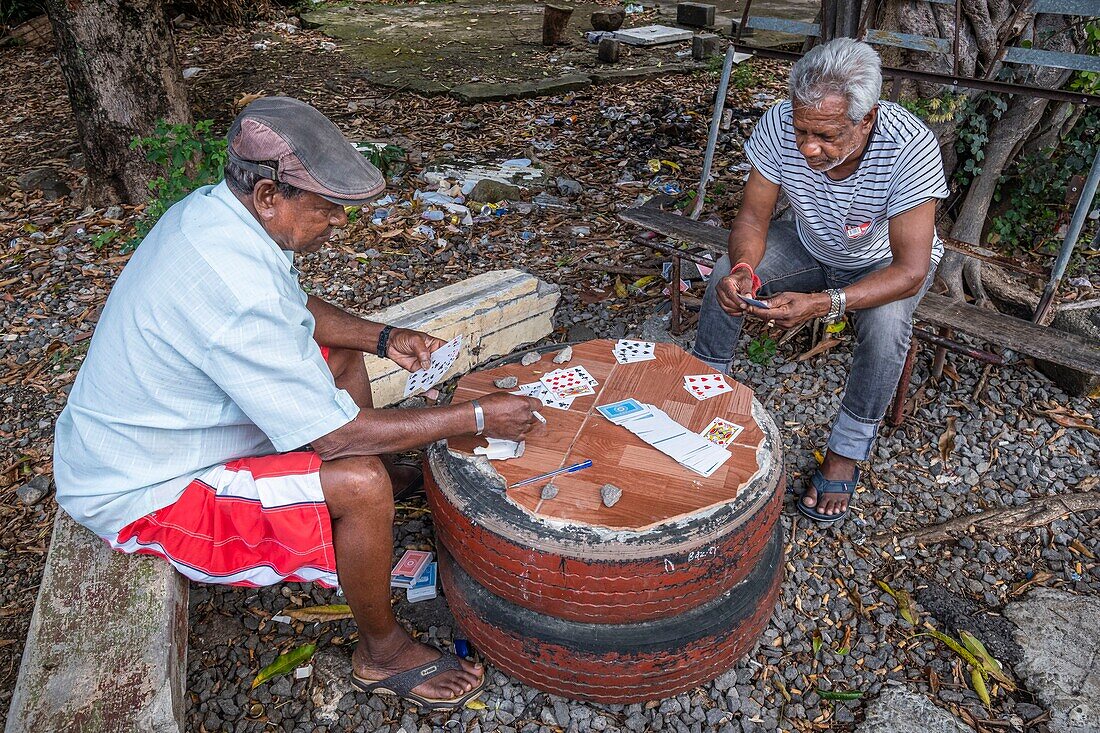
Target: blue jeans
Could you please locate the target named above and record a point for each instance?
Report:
(882, 333)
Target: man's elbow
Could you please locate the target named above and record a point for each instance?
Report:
(914, 281)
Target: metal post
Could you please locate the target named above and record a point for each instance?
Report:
(712, 139)
(897, 412)
(1046, 302)
(674, 297)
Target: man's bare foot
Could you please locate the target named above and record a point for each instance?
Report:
(835, 468)
(377, 659)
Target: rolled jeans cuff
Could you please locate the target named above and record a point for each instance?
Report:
(851, 437)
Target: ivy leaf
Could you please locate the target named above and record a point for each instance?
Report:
(839, 694)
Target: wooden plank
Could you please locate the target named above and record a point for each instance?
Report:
(715, 239)
(1041, 342)
(655, 488)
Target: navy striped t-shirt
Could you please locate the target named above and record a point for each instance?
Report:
(845, 224)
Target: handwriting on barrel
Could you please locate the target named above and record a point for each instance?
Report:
(702, 553)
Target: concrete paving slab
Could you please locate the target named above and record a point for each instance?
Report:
(900, 710)
(652, 35)
(475, 93)
(1061, 664)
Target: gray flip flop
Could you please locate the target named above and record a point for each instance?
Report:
(402, 684)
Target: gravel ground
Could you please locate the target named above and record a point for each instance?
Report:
(53, 281)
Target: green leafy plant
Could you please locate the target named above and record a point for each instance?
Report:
(385, 157)
(189, 156)
(762, 350)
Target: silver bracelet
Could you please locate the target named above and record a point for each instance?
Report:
(479, 417)
(843, 303)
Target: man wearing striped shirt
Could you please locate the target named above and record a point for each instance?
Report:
(863, 177)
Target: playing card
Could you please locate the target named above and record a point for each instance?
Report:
(572, 382)
(706, 461)
(705, 386)
(539, 391)
(442, 360)
(627, 351)
(423, 587)
(722, 432)
(410, 565)
(616, 412)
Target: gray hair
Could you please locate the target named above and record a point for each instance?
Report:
(242, 182)
(843, 67)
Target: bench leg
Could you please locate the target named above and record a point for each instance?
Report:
(941, 353)
(897, 411)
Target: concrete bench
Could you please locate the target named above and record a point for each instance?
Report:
(107, 645)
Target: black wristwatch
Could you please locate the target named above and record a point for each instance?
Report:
(384, 341)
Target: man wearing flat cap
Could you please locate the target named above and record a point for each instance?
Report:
(223, 419)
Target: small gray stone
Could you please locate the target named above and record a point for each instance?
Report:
(530, 358)
(898, 710)
(569, 187)
(563, 356)
(506, 382)
(113, 212)
(549, 491)
(34, 490)
(610, 494)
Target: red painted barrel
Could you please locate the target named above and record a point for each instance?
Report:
(569, 566)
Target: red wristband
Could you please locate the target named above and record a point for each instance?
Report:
(752, 273)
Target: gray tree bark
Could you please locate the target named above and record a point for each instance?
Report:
(120, 66)
(987, 27)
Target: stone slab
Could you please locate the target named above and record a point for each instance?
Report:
(614, 76)
(475, 93)
(1061, 664)
(705, 45)
(107, 645)
(497, 312)
(652, 35)
(899, 710)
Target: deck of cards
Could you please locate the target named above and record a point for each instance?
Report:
(628, 352)
(442, 360)
(705, 386)
(423, 587)
(409, 568)
(570, 383)
(654, 426)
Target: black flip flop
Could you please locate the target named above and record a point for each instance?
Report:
(825, 486)
(402, 684)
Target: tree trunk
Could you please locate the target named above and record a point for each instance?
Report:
(554, 20)
(119, 62)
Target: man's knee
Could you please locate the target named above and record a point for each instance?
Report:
(357, 483)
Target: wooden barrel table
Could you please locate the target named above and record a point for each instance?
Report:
(638, 601)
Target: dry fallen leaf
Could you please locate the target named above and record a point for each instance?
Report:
(947, 440)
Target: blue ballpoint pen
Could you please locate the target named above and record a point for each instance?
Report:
(549, 474)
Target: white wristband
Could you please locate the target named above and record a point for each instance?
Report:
(479, 417)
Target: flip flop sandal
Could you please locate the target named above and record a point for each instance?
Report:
(402, 684)
(414, 487)
(824, 486)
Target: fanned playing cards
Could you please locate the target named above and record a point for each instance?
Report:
(654, 426)
(443, 359)
(570, 383)
(539, 391)
(628, 352)
(705, 386)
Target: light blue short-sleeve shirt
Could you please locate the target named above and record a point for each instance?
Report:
(204, 354)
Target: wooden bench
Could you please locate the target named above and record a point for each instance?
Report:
(704, 244)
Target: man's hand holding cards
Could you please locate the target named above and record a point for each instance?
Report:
(443, 359)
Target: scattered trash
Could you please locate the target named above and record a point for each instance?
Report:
(580, 231)
(1080, 282)
(633, 9)
(433, 215)
(192, 71)
(328, 46)
(527, 236)
(500, 449)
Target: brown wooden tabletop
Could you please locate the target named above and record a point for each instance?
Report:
(655, 487)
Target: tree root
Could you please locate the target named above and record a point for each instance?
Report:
(1034, 513)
